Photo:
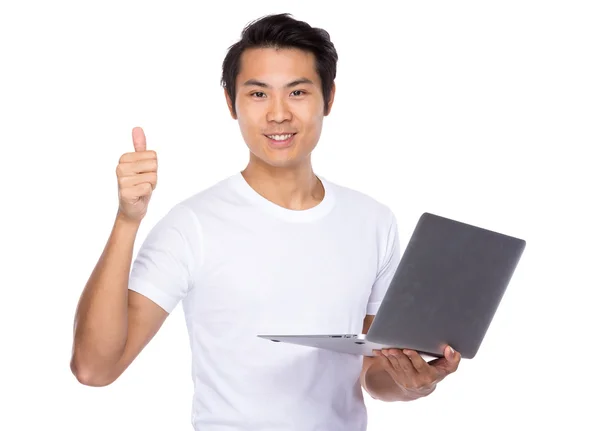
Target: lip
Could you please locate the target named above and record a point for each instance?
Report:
(281, 144)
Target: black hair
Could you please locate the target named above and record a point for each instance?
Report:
(282, 31)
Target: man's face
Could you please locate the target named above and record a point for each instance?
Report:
(279, 105)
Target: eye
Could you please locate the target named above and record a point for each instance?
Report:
(259, 94)
(298, 92)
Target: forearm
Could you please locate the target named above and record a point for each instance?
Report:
(100, 328)
(379, 384)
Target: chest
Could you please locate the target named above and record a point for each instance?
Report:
(282, 279)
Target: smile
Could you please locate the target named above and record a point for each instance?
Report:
(281, 141)
(280, 137)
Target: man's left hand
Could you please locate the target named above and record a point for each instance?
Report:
(415, 376)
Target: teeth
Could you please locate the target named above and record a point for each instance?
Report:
(280, 137)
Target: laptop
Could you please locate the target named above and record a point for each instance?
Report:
(446, 290)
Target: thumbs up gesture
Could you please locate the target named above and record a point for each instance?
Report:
(137, 176)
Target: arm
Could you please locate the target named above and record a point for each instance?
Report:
(376, 380)
(397, 374)
(112, 325)
(403, 375)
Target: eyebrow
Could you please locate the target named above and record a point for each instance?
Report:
(257, 83)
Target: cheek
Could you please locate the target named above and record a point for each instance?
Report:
(308, 116)
(249, 120)
(315, 123)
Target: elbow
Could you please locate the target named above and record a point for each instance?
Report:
(87, 376)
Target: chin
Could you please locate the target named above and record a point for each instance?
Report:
(289, 157)
(278, 162)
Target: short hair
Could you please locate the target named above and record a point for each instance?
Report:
(282, 31)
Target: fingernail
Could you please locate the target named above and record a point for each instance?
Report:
(452, 351)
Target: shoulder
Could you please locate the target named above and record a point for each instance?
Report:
(219, 196)
(185, 214)
(357, 202)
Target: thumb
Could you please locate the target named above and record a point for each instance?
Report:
(139, 139)
(447, 363)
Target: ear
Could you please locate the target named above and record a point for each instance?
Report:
(330, 100)
(230, 105)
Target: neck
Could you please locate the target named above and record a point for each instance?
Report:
(295, 188)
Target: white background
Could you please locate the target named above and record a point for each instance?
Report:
(483, 111)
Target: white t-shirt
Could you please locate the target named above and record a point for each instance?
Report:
(242, 266)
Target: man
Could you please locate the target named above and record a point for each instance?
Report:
(274, 248)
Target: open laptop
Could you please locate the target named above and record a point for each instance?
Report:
(446, 290)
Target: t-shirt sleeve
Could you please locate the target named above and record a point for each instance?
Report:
(389, 264)
(165, 266)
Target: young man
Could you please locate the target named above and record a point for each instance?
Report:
(274, 248)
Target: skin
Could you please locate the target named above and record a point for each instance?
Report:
(278, 91)
(112, 325)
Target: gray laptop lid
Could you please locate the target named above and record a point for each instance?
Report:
(447, 288)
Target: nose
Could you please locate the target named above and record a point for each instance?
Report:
(279, 110)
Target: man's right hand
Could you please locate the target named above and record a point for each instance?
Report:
(137, 176)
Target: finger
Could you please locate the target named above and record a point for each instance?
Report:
(134, 180)
(448, 363)
(418, 362)
(139, 167)
(401, 361)
(453, 358)
(139, 139)
(138, 191)
(381, 356)
(140, 155)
